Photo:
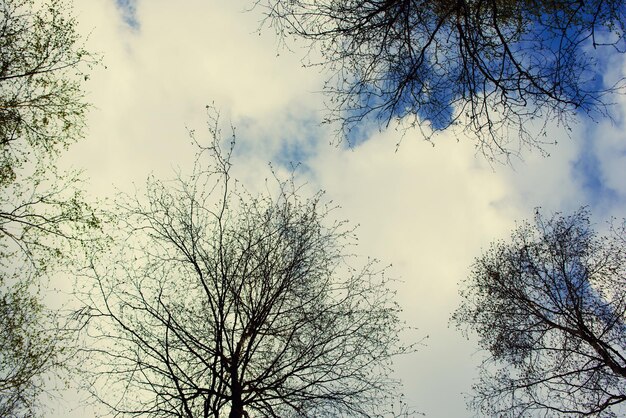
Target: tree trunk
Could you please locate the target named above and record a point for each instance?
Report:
(236, 411)
(236, 408)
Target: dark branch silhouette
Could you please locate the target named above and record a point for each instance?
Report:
(498, 69)
(549, 307)
(223, 303)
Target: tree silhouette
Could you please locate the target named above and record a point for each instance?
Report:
(550, 308)
(221, 303)
(491, 67)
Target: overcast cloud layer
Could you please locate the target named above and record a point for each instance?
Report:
(427, 210)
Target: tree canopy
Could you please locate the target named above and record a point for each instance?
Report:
(550, 308)
(494, 68)
(42, 109)
(43, 215)
(32, 344)
(41, 68)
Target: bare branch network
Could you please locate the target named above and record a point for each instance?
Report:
(498, 69)
(550, 308)
(222, 303)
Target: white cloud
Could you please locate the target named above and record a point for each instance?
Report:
(428, 210)
(159, 78)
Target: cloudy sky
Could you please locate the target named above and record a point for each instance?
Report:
(428, 210)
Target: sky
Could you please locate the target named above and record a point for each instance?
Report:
(428, 209)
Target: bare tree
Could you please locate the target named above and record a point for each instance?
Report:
(550, 308)
(492, 67)
(221, 303)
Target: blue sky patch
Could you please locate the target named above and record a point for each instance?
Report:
(587, 171)
(128, 10)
